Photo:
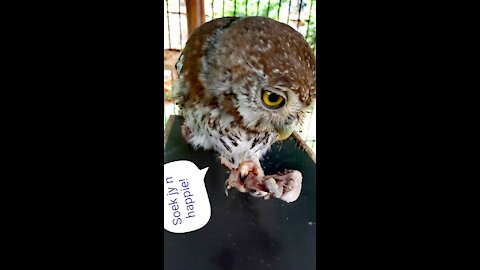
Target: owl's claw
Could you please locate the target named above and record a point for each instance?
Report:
(234, 181)
(227, 187)
(249, 177)
(259, 193)
(250, 166)
(243, 170)
(245, 179)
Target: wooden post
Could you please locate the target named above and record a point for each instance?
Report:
(195, 14)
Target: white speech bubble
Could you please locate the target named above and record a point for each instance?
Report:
(186, 204)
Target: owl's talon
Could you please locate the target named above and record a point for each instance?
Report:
(227, 187)
(244, 169)
(259, 193)
(243, 173)
(250, 166)
(234, 181)
(285, 186)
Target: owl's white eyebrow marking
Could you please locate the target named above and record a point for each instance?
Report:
(279, 90)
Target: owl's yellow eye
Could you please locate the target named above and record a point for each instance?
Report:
(272, 100)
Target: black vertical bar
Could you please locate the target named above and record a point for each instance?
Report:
(268, 7)
(289, 5)
(168, 27)
(246, 8)
(180, 23)
(258, 6)
(309, 17)
(279, 6)
(234, 8)
(299, 11)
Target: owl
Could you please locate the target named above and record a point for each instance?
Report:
(243, 84)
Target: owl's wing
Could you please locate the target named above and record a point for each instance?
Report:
(179, 91)
(179, 64)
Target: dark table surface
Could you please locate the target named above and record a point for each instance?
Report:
(245, 232)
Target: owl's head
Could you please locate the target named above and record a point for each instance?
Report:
(267, 69)
(259, 71)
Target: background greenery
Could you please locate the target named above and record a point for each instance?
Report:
(275, 9)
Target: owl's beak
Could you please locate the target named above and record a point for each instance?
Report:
(284, 132)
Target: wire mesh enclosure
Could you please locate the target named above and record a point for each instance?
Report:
(299, 14)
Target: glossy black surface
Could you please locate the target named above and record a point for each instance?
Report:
(245, 232)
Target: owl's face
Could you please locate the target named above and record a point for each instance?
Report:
(267, 107)
(271, 75)
(259, 71)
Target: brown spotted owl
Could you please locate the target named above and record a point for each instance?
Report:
(243, 84)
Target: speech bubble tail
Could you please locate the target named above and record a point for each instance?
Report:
(204, 172)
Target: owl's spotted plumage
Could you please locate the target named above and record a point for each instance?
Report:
(243, 83)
